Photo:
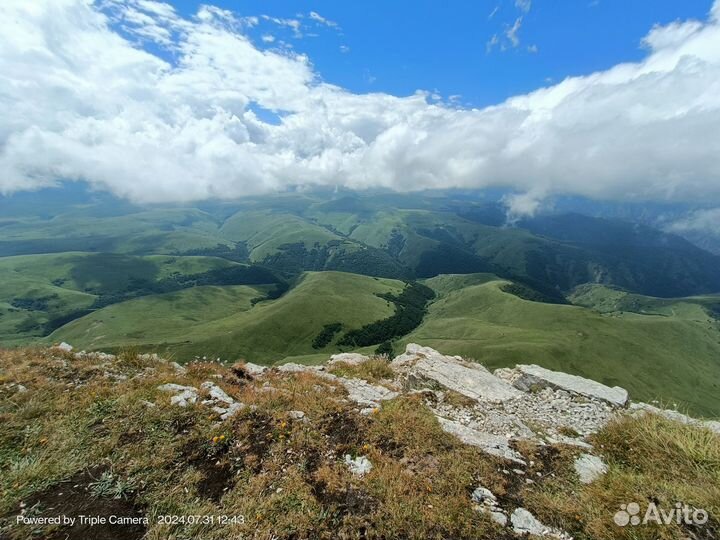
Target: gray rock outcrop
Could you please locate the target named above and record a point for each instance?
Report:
(492, 444)
(451, 372)
(533, 377)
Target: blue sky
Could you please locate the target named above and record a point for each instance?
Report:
(399, 47)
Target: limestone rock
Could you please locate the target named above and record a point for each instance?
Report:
(589, 468)
(232, 410)
(348, 358)
(499, 517)
(184, 395)
(65, 347)
(217, 393)
(482, 495)
(532, 376)
(254, 370)
(364, 393)
(487, 502)
(359, 466)
(292, 367)
(178, 368)
(495, 445)
(467, 378)
(524, 522)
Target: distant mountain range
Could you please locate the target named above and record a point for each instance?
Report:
(294, 276)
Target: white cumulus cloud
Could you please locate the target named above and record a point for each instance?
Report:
(84, 99)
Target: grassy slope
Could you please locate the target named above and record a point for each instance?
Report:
(158, 319)
(193, 323)
(669, 357)
(265, 231)
(160, 230)
(611, 300)
(78, 279)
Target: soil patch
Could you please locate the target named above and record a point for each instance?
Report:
(345, 430)
(73, 498)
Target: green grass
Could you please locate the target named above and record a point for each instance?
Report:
(68, 282)
(213, 322)
(265, 231)
(668, 357)
(157, 230)
(157, 320)
(616, 301)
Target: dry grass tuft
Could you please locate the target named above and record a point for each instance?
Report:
(286, 473)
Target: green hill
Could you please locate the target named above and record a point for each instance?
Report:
(220, 321)
(39, 293)
(673, 356)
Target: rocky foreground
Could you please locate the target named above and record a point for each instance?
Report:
(476, 454)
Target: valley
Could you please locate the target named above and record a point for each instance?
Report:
(295, 277)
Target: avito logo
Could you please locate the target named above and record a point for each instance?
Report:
(630, 514)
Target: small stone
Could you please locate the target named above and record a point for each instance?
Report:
(359, 466)
(254, 370)
(589, 468)
(217, 393)
(482, 495)
(184, 398)
(499, 517)
(65, 347)
(524, 522)
(232, 410)
(178, 367)
(185, 395)
(296, 415)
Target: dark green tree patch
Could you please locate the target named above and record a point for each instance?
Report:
(533, 295)
(385, 349)
(293, 259)
(237, 252)
(410, 308)
(326, 335)
(33, 304)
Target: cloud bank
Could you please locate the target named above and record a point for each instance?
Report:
(132, 98)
